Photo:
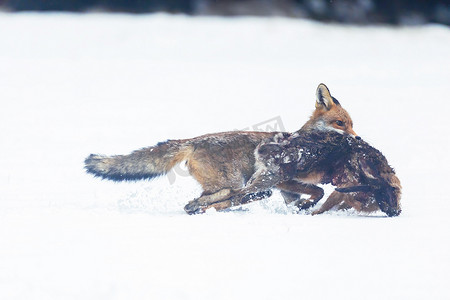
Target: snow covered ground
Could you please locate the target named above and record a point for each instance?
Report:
(71, 85)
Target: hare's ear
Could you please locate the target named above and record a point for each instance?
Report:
(324, 99)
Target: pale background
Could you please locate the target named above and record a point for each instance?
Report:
(71, 85)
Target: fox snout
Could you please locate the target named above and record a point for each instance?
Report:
(352, 133)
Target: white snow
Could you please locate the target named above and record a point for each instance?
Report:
(71, 85)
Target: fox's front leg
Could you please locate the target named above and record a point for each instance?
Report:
(292, 190)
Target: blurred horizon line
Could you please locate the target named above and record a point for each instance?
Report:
(358, 12)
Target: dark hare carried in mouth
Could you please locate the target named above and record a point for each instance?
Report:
(362, 176)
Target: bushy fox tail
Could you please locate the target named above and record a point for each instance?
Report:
(145, 163)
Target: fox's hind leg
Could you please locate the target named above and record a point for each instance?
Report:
(200, 204)
(292, 190)
(258, 187)
(224, 199)
(247, 198)
(217, 185)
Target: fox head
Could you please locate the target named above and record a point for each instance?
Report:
(329, 114)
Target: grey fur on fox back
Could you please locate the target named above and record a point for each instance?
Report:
(215, 160)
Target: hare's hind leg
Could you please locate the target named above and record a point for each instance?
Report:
(292, 190)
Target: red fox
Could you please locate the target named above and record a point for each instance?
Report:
(224, 162)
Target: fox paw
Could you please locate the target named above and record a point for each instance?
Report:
(194, 208)
(306, 204)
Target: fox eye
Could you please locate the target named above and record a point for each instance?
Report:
(339, 123)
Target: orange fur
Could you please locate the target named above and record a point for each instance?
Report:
(329, 114)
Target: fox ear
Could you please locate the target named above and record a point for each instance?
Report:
(323, 98)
